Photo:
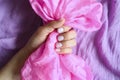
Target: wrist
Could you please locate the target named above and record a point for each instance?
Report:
(15, 64)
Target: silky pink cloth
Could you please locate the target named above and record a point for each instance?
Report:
(45, 63)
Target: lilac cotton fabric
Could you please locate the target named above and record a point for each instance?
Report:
(101, 49)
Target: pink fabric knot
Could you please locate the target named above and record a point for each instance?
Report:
(45, 63)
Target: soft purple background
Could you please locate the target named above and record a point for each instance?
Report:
(100, 49)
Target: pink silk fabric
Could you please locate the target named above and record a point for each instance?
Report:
(45, 63)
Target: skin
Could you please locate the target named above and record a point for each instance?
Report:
(11, 71)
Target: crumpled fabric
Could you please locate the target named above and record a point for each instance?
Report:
(45, 63)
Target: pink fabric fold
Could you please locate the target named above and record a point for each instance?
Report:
(45, 63)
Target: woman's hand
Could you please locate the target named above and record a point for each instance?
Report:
(66, 37)
(66, 40)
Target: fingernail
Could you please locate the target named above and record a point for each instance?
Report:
(60, 38)
(58, 50)
(58, 45)
(60, 30)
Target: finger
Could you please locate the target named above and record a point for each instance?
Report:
(63, 29)
(64, 50)
(67, 36)
(64, 44)
(46, 29)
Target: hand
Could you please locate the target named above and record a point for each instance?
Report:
(66, 40)
(66, 37)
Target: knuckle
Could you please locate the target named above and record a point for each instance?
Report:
(49, 29)
(66, 50)
(75, 43)
(67, 35)
(69, 43)
(51, 24)
(67, 28)
(70, 34)
(73, 32)
(65, 44)
(46, 29)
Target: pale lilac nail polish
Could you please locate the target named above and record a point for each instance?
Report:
(60, 38)
(58, 45)
(60, 30)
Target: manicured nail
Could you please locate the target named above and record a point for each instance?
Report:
(60, 30)
(58, 50)
(58, 45)
(60, 38)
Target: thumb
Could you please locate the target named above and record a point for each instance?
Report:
(46, 29)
